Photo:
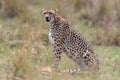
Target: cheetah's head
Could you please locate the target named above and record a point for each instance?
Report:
(49, 14)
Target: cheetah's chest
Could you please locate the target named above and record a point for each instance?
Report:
(51, 37)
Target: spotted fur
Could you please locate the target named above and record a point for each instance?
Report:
(65, 39)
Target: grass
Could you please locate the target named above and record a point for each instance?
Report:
(25, 48)
(21, 63)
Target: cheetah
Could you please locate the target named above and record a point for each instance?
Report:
(65, 39)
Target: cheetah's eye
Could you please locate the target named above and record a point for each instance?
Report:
(44, 13)
(50, 13)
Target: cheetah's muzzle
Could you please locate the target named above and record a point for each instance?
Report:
(47, 19)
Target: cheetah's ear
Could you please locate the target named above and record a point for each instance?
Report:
(56, 10)
(42, 11)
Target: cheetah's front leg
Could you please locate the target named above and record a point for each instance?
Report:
(57, 56)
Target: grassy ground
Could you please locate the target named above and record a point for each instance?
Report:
(21, 64)
(25, 48)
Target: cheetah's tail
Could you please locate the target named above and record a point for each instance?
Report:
(72, 71)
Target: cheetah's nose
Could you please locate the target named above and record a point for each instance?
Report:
(47, 19)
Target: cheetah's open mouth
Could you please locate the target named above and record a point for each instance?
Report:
(47, 19)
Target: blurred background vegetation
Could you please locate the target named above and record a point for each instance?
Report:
(24, 43)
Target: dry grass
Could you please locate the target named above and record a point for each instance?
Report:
(100, 12)
(107, 36)
(12, 8)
